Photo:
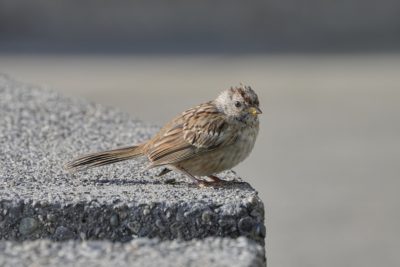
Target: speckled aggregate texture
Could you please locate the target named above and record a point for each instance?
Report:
(41, 130)
(140, 252)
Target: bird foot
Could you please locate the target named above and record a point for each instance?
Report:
(215, 182)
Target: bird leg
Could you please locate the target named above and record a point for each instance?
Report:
(197, 181)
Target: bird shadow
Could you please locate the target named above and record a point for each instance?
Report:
(122, 182)
(166, 182)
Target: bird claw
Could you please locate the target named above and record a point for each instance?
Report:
(214, 183)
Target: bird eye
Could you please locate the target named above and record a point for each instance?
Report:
(238, 104)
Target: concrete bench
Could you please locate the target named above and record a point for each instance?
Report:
(40, 130)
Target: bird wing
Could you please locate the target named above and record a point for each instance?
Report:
(197, 130)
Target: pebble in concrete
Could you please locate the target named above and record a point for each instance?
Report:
(27, 226)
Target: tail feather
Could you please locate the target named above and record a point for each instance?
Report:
(104, 158)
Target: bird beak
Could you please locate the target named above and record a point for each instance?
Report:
(255, 111)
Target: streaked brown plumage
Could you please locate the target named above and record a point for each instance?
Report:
(202, 141)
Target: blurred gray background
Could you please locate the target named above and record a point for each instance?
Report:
(327, 159)
(209, 26)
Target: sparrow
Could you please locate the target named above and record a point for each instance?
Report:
(202, 141)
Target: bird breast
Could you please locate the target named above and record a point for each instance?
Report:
(224, 157)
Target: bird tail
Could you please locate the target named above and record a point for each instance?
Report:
(103, 158)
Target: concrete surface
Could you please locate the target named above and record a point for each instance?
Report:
(140, 252)
(40, 130)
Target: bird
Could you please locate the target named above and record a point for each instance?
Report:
(201, 142)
